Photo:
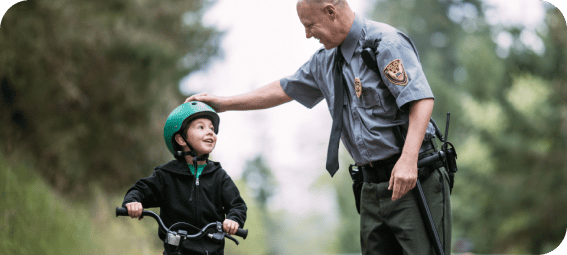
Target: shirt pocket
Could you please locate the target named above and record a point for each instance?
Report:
(376, 103)
(370, 98)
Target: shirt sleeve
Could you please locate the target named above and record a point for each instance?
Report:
(401, 70)
(302, 85)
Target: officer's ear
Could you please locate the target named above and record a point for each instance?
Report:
(330, 11)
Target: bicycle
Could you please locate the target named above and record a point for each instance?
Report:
(177, 233)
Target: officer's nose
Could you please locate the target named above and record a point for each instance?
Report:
(308, 34)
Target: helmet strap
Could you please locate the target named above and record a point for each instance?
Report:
(192, 152)
(182, 154)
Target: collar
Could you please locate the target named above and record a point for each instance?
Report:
(181, 167)
(351, 41)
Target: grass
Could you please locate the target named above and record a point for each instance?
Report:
(34, 219)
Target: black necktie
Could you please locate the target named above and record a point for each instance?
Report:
(333, 150)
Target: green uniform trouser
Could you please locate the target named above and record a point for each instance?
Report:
(396, 227)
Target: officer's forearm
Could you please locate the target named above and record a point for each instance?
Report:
(264, 97)
(420, 113)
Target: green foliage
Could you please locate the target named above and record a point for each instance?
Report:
(120, 235)
(260, 180)
(36, 221)
(259, 232)
(508, 120)
(261, 185)
(283, 231)
(347, 237)
(87, 85)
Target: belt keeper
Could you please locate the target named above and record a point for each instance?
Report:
(382, 174)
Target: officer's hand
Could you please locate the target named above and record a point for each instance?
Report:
(135, 210)
(194, 97)
(212, 100)
(230, 226)
(403, 178)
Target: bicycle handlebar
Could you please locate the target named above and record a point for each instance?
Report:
(121, 211)
(242, 233)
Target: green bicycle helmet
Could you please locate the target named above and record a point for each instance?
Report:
(180, 117)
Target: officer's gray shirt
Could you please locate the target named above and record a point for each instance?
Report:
(370, 129)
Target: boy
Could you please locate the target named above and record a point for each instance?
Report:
(191, 188)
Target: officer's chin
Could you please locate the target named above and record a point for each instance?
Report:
(329, 46)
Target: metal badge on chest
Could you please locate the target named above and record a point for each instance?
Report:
(358, 87)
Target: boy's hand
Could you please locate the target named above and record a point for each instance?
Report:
(230, 226)
(135, 210)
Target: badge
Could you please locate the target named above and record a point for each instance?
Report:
(357, 87)
(396, 73)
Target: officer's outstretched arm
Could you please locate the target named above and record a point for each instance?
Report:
(264, 97)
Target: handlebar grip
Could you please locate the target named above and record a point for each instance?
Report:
(121, 211)
(242, 233)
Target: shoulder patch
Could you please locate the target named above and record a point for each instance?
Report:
(396, 73)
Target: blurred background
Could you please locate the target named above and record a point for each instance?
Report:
(85, 87)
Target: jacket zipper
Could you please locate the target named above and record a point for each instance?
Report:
(197, 212)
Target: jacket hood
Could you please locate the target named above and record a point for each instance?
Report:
(181, 167)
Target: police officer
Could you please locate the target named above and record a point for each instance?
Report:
(383, 121)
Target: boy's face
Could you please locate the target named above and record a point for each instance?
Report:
(201, 135)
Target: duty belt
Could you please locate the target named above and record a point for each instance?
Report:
(380, 171)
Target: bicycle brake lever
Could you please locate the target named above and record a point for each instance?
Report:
(217, 237)
(231, 238)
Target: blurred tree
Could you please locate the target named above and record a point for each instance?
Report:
(255, 242)
(259, 180)
(509, 115)
(261, 185)
(346, 238)
(85, 86)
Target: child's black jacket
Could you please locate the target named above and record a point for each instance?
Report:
(174, 189)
